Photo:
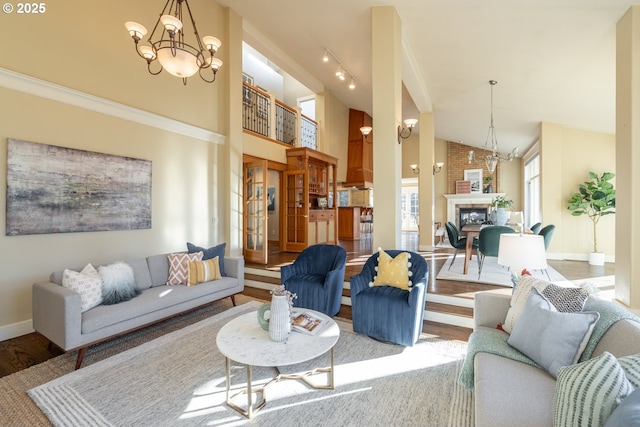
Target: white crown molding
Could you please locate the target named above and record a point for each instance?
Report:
(41, 88)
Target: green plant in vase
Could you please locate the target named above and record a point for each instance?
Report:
(499, 205)
(488, 186)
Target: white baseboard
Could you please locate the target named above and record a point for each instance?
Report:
(16, 330)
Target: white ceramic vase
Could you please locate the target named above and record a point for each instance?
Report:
(501, 216)
(280, 318)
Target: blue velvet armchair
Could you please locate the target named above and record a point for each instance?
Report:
(317, 277)
(387, 313)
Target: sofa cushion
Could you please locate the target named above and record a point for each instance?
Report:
(587, 393)
(627, 413)
(210, 253)
(179, 267)
(393, 271)
(203, 271)
(550, 338)
(118, 283)
(87, 283)
(508, 393)
(159, 269)
(151, 300)
(140, 272)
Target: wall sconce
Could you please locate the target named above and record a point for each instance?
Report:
(437, 167)
(409, 123)
(366, 130)
(415, 168)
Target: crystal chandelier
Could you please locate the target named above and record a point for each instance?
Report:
(491, 143)
(171, 50)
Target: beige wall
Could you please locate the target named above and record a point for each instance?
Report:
(84, 46)
(567, 156)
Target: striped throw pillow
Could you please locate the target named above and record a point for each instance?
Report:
(587, 393)
(179, 267)
(631, 367)
(565, 299)
(203, 271)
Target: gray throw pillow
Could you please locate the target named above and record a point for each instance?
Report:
(565, 299)
(212, 252)
(548, 337)
(627, 414)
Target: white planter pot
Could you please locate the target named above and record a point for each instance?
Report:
(596, 258)
(500, 216)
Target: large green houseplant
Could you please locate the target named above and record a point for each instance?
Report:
(595, 198)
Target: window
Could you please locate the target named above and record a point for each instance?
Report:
(532, 208)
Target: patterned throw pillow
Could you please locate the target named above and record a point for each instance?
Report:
(393, 271)
(87, 283)
(525, 284)
(179, 267)
(580, 386)
(203, 271)
(631, 367)
(567, 300)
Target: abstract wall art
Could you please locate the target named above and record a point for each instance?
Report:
(53, 189)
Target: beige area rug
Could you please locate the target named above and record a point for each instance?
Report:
(178, 380)
(492, 272)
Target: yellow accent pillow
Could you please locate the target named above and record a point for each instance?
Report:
(393, 271)
(203, 271)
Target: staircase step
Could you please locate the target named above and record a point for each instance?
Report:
(450, 309)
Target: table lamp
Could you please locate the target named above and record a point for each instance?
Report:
(520, 251)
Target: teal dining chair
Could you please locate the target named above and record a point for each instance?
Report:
(456, 241)
(489, 243)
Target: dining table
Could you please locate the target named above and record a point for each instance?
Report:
(472, 230)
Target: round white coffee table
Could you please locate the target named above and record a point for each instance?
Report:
(243, 341)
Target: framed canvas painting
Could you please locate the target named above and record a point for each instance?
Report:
(474, 176)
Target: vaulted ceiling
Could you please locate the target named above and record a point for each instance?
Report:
(554, 60)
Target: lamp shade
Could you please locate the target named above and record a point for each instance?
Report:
(181, 64)
(518, 252)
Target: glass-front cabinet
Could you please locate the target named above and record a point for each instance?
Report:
(310, 213)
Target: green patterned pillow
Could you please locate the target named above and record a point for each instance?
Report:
(587, 393)
(631, 367)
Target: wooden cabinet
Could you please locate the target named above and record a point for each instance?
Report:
(322, 226)
(349, 223)
(359, 151)
(309, 208)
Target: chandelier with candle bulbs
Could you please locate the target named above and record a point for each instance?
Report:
(171, 50)
(491, 144)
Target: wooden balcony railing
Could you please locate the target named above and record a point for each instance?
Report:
(282, 122)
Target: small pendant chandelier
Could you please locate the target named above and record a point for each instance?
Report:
(491, 144)
(171, 50)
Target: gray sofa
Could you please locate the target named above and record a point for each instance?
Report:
(511, 393)
(57, 315)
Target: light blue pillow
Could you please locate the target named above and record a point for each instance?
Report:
(212, 252)
(550, 338)
(627, 414)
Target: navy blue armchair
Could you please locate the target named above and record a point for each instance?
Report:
(317, 277)
(387, 313)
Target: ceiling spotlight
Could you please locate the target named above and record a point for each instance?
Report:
(352, 85)
(325, 58)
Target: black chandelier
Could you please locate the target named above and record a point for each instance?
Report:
(171, 50)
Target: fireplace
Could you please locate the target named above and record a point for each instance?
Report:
(474, 215)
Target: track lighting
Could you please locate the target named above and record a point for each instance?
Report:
(342, 73)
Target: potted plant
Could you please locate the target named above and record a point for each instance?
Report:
(499, 205)
(488, 187)
(595, 198)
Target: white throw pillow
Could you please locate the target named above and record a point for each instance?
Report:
(87, 283)
(118, 283)
(519, 298)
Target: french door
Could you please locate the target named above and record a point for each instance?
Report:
(255, 212)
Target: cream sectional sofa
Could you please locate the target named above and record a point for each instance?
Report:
(58, 317)
(512, 393)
